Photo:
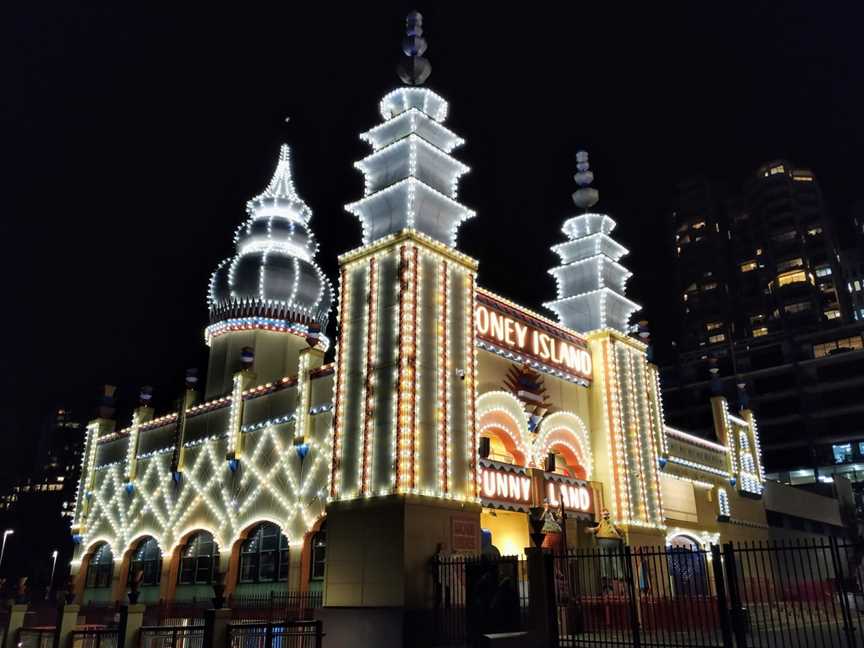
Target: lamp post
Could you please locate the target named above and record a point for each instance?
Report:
(6, 534)
(53, 567)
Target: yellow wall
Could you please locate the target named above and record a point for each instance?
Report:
(509, 530)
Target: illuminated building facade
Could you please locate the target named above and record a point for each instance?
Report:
(447, 413)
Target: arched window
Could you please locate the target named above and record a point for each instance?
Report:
(199, 560)
(101, 568)
(319, 553)
(264, 555)
(147, 559)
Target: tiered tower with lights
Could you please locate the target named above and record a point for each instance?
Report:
(404, 428)
(591, 299)
(591, 281)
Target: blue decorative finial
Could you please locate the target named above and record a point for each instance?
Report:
(416, 69)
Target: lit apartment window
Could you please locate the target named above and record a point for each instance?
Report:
(821, 350)
(842, 452)
(814, 231)
(759, 332)
(713, 326)
(802, 178)
(823, 271)
(748, 266)
(709, 285)
(789, 264)
(832, 314)
(758, 251)
(775, 170)
(798, 307)
(857, 285)
(796, 276)
(714, 339)
(698, 225)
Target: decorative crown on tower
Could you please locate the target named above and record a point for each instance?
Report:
(591, 282)
(273, 275)
(411, 180)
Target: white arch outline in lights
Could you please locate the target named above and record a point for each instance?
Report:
(507, 404)
(89, 550)
(570, 423)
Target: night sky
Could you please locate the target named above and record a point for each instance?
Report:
(132, 138)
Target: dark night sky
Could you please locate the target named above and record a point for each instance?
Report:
(131, 139)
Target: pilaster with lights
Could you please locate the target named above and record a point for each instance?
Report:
(628, 422)
(404, 430)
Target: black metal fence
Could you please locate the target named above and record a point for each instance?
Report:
(474, 595)
(287, 634)
(35, 638)
(172, 636)
(750, 595)
(92, 638)
(274, 606)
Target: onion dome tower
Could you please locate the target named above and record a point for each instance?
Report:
(271, 295)
(591, 282)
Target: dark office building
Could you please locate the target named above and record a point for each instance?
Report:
(770, 315)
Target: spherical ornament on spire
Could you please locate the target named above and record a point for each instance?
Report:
(416, 69)
(586, 196)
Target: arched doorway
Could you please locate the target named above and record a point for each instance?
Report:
(688, 569)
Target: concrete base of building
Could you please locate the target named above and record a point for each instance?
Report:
(362, 627)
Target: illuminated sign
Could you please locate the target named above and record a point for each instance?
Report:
(509, 328)
(512, 488)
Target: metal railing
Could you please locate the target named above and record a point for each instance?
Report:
(287, 634)
(93, 638)
(35, 637)
(474, 595)
(172, 636)
(274, 606)
(749, 595)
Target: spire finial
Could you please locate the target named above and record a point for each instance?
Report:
(416, 69)
(586, 196)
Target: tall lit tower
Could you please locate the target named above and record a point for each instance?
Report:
(404, 435)
(591, 300)
(591, 282)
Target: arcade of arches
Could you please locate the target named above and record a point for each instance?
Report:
(261, 560)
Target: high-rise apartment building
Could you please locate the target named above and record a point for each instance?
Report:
(768, 318)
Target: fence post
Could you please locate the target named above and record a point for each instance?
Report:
(67, 619)
(720, 589)
(216, 628)
(17, 614)
(319, 633)
(131, 620)
(541, 596)
(739, 624)
(634, 600)
(848, 629)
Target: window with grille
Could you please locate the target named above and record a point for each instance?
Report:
(264, 555)
(199, 561)
(101, 568)
(148, 560)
